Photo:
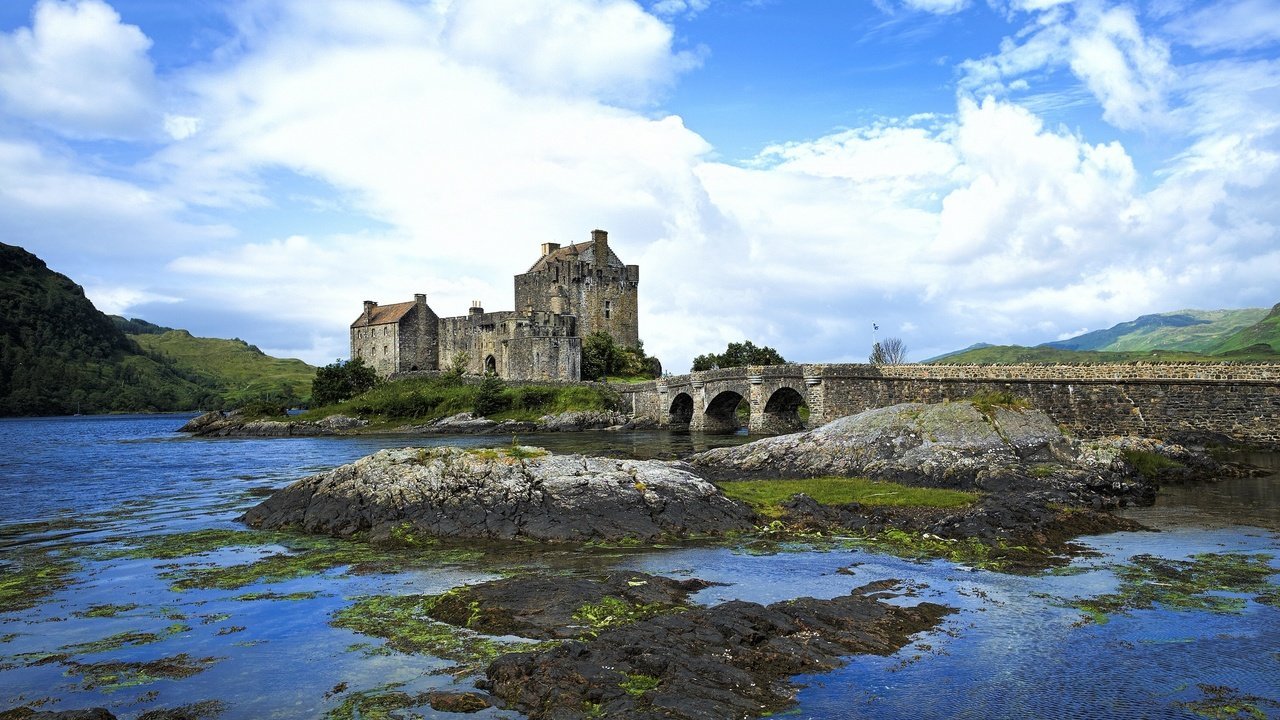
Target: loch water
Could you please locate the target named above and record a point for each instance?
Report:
(101, 623)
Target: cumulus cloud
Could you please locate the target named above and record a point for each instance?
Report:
(80, 71)
(453, 138)
(1127, 71)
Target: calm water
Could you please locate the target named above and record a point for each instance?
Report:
(72, 490)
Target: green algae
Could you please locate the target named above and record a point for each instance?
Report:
(105, 611)
(199, 542)
(293, 596)
(1225, 703)
(116, 675)
(638, 684)
(380, 703)
(1197, 584)
(402, 622)
(614, 612)
(123, 639)
(26, 579)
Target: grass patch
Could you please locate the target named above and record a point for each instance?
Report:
(1149, 464)
(987, 401)
(767, 496)
(1197, 584)
(432, 398)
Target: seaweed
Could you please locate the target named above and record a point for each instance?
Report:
(1197, 584)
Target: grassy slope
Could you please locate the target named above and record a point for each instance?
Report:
(1188, 330)
(1266, 331)
(1006, 354)
(242, 370)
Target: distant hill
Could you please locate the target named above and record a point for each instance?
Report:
(975, 346)
(1199, 331)
(1006, 354)
(60, 355)
(1248, 335)
(241, 371)
(1264, 332)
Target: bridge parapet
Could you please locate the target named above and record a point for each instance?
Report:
(1240, 400)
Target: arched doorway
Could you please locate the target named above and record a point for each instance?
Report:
(681, 411)
(722, 413)
(786, 411)
(490, 365)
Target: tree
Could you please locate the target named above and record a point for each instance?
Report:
(600, 355)
(739, 355)
(340, 381)
(891, 351)
(489, 397)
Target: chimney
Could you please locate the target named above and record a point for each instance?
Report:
(548, 248)
(600, 246)
(369, 307)
(476, 308)
(420, 298)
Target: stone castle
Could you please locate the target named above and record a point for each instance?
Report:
(569, 293)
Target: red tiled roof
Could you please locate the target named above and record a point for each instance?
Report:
(384, 314)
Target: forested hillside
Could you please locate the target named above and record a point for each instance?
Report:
(60, 355)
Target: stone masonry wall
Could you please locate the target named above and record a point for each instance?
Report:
(1242, 401)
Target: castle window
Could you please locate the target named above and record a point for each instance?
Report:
(608, 308)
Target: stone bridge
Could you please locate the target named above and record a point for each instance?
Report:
(1241, 401)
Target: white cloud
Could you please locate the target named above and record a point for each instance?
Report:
(1127, 71)
(117, 300)
(671, 8)
(940, 7)
(80, 71)
(1229, 25)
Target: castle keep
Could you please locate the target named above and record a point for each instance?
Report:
(569, 293)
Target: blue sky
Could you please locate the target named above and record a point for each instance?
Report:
(787, 172)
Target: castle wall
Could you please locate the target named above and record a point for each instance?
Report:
(418, 340)
(378, 346)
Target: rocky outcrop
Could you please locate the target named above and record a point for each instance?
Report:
(515, 493)
(727, 661)
(558, 607)
(949, 444)
(578, 420)
(219, 424)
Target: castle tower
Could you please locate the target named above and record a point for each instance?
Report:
(589, 282)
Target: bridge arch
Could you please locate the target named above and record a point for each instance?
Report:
(721, 415)
(681, 410)
(783, 411)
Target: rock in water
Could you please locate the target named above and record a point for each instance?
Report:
(524, 493)
(947, 444)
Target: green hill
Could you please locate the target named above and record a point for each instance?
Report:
(1201, 331)
(60, 355)
(1007, 354)
(1264, 332)
(240, 370)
